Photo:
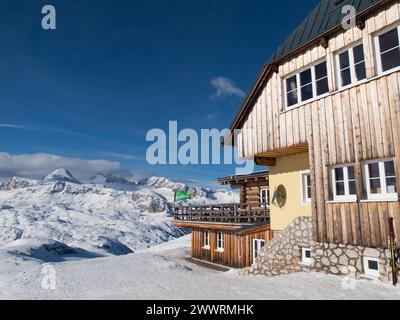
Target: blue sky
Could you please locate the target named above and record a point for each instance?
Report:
(115, 69)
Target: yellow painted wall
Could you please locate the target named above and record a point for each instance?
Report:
(288, 172)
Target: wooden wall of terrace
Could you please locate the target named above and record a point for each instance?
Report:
(238, 252)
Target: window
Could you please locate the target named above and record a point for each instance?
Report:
(292, 96)
(344, 183)
(306, 256)
(380, 180)
(351, 66)
(307, 84)
(264, 196)
(220, 241)
(306, 187)
(206, 240)
(258, 244)
(321, 78)
(388, 50)
(371, 267)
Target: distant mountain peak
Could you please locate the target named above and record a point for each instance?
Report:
(61, 175)
(101, 178)
(161, 182)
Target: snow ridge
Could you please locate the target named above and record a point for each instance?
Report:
(109, 215)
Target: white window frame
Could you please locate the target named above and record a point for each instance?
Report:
(370, 272)
(257, 244)
(266, 190)
(378, 53)
(304, 187)
(382, 175)
(298, 82)
(347, 196)
(220, 242)
(304, 259)
(206, 240)
(352, 66)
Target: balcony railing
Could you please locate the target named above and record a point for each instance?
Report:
(223, 213)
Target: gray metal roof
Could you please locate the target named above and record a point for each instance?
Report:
(325, 17)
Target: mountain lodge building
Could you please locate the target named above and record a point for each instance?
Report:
(324, 114)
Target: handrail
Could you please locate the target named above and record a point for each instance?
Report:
(233, 213)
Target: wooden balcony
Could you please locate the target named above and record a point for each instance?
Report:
(232, 214)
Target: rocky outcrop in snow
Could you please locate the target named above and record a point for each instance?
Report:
(103, 179)
(16, 183)
(161, 182)
(150, 201)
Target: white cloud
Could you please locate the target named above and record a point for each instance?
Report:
(212, 116)
(40, 164)
(11, 126)
(123, 156)
(225, 87)
(41, 129)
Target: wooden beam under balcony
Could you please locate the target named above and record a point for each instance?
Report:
(207, 226)
(265, 161)
(278, 153)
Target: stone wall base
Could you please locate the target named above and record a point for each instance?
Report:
(283, 255)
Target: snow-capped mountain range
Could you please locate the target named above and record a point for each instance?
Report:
(107, 215)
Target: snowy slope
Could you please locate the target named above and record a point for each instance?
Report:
(108, 215)
(163, 273)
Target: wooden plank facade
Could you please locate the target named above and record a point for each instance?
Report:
(250, 187)
(251, 195)
(238, 247)
(346, 126)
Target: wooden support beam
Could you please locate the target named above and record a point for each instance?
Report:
(278, 153)
(360, 24)
(324, 42)
(261, 161)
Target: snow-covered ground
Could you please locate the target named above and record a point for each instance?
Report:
(163, 273)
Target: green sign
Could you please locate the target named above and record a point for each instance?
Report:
(182, 195)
